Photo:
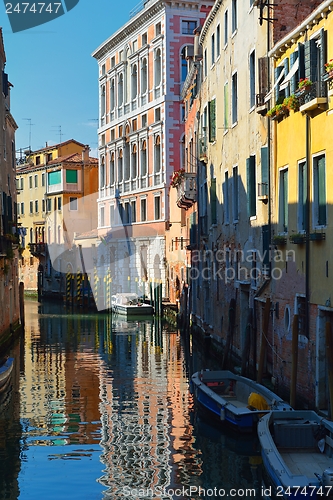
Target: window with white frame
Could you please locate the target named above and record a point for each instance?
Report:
(102, 173)
(112, 94)
(234, 16)
(234, 110)
(212, 49)
(188, 27)
(120, 89)
(252, 68)
(120, 166)
(134, 82)
(101, 217)
(73, 203)
(319, 191)
(143, 208)
(157, 206)
(235, 193)
(112, 170)
(283, 200)
(36, 180)
(157, 154)
(158, 67)
(302, 195)
(133, 212)
(36, 206)
(158, 29)
(144, 76)
(143, 159)
(144, 39)
(226, 28)
(218, 41)
(102, 97)
(134, 165)
(31, 210)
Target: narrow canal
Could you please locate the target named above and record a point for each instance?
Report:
(101, 409)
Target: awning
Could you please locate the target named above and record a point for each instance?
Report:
(291, 73)
(281, 75)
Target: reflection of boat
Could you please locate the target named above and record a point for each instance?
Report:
(291, 445)
(129, 305)
(234, 399)
(5, 372)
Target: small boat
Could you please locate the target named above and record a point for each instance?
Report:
(234, 399)
(5, 371)
(130, 305)
(297, 453)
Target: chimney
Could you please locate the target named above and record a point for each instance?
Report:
(85, 154)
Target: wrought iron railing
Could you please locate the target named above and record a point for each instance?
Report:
(307, 94)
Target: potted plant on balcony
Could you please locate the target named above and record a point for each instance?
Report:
(177, 177)
(329, 68)
(291, 102)
(279, 240)
(278, 111)
(297, 238)
(304, 86)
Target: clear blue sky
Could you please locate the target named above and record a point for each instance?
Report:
(54, 76)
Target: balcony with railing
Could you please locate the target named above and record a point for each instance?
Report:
(37, 249)
(312, 97)
(187, 190)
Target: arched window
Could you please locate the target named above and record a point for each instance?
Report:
(128, 77)
(127, 161)
(112, 94)
(134, 84)
(112, 172)
(183, 66)
(144, 76)
(157, 154)
(120, 165)
(158, 67)
(102, 173)
(143, 159)
(134, 162)
(120, 89)
(102, 100)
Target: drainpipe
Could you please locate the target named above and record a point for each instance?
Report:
(307, 228)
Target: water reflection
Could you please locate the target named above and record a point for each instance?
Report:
(100, 409)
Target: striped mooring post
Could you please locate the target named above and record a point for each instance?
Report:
(79, 288)
(68, 288)
(108, 290)
(96, 286)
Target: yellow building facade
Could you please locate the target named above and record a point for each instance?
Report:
(301, 285)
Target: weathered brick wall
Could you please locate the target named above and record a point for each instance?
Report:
(290, 13)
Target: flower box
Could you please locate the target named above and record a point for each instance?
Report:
(279, 240)
(317, 236)
(297, 239)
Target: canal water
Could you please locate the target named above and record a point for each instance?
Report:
(101, 409)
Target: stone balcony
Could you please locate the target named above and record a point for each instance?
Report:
(187, 190)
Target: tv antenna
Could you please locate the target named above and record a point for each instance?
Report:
(30, 125)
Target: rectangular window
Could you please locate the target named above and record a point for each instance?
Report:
(102, 221)
(43, 179)
(234, 98)
(73, 203)
(251, 185)
(48, 204)
(205, 63)
(264, 171)
(71, 176)
(36, 206)
(319, 191)
(157, 114)
(235, 193)
(133, 212)
(212, 120)
(22, 208)
(283, 201)
(226, 34)
(21, 183)
(218, 41)
(30, 181)
(302, 193)
(59, 202)
(157, 202)
(252, 64)
(37, 160)
(143, 209)
(31, 207)
(144, 39)
(213, 201)
(226, 106)
(226, 198)
(113, 62)
(158, 29)
(54, 178)
(43, 205)
(213, 49)
(36, 180)
(188, 27)
(234, 15)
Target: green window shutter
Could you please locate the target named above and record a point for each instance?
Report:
(294, 79)
(286, 92)
(71, 176)
(301, 68)
(277, 72)
(213, 200)
(321, 192)
(54, 178)
(323, 60)
(212, 121)
(226, 106)
(303, 194)
(310, 60)
(264, 166)
(251, 185)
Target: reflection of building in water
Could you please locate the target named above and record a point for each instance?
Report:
(146, 434)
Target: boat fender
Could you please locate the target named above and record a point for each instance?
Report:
(222, 413)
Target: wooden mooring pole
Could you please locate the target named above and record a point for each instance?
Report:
(294, 360)
(267, 311)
